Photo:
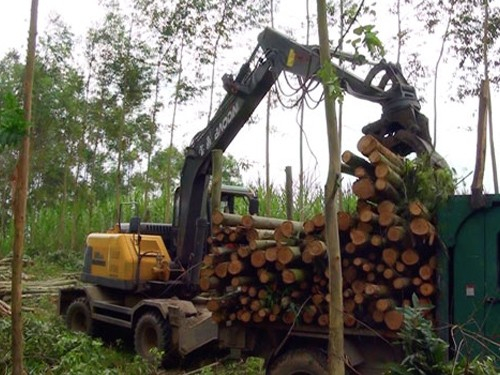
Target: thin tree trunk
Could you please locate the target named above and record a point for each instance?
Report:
(301, 139)
(441, 52)
(168, 183)
(118, 177)
(341, 104)
(336, 321)
(400, 35)
(268, 130)
(21, 175)
(487, 83)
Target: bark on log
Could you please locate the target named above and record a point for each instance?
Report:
(222, 218)
(385, 172)
(416, 208)
(388, 190)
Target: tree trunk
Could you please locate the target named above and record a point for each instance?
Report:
(20, 180)
(336, 320)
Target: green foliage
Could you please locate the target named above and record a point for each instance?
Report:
(330, 79)
(426, 354)
(13, 127)
(51, 349)
(432, 186)
(369, 39)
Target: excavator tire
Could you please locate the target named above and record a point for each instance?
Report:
(300, 362)
(152, 331)
(78, 317)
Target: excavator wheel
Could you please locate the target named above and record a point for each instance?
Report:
(78, 317)
(152, 331)
(300, 362)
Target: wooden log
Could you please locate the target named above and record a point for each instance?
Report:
(401, 283)
(368, 144)
(364, 227)
(293, 275)
(387, 206)
(261, 244)
(316, 248)
(396, 233)
(364, 188)
(390, 256)
(287, 254)
(350, 274)
(309, 313)
(271, 254)
(207, 283)
(410, 257)
(243, 280)
(235, 267)
(350, 321)
(387, 219)
(237, 235)
(309, 227)
(349, 305)
(400, 267)
(221, 270)
(207, 272)
(265, 276)
(227, 219)
(387, 189)
(345, 221)
(359, 298)
(319, 221)
(416, 208)
(244, 315)
(323, 320)
(417, 281)
(258, 258)
(244, 251)
(378, 316)
(377, 158)
(221, 250)
(288, 317)
(350, 248)
(362, 172)
(426, 272)
(426, 289)
(393, 319)
(255, 304)
(379, 290)
(377, 240)
(388, 274)
(355, 161)
(421, 227)
(358, 286)
(307, 257)
(291, 228)
(261, 222)
(385, 172)
(368, 216)
(253, 234)
(359, 237)
(384, 304)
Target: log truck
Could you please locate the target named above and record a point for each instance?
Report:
(144, 277)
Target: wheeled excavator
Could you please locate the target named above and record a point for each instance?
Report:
(144, 277)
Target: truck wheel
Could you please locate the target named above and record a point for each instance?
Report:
(299, 362)
(152, 331)
(78, 317)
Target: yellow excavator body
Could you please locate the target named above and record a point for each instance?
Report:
(125, 260)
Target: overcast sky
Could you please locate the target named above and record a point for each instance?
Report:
(455, 143)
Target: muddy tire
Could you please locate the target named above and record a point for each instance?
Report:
(152, 331)
(78, 317)
(299, 362)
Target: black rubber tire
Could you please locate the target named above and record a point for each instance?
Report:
(78, 317)
(299, 362)
(153, 331)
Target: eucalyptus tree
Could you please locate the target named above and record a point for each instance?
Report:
(122, 72)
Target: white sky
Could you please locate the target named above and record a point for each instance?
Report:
(455, 144)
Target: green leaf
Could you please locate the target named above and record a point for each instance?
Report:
(13, 127)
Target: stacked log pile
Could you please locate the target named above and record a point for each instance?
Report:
(31, 288)
(263, 269)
